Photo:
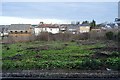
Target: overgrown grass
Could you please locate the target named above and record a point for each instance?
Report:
(65, 55)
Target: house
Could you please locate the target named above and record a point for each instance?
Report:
(96, 30)
(3, 31)
(72, 28)
(110, 25)
(84, 28)
(20, 32)
(50, 28)
(117, 21)
(63, 28)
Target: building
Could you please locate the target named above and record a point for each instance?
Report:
(3, 31)
(84, 28)
(96, 30)
(117, 20)
(110, 26)
(72, 28)
(50, 28)
(63, 28)
(20, 32)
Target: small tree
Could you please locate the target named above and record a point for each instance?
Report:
(85, 22)
(93, 24)
(77, 23)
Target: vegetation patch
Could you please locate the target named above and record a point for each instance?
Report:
(40, 55)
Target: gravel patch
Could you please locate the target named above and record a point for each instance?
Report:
(61, 74)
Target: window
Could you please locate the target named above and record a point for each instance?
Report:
(15, 32)
(11, 31)
(21, 31)
(26, 32)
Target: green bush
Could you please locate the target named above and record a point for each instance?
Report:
(115, 54)
(118, 36)
(113, 63)
(91, 64)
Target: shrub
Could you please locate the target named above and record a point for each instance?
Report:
(115, 54)
(117, 36)
(92, 64)
(109, 35)
(84, 36)
(113, 63)
(97, 35)
(44, 36)
(54, 37)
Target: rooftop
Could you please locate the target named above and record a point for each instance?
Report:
(19, 27)
(48, 26)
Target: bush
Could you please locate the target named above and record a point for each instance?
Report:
(44, 36)
(115, 54)
(97, 35)
(113, 63)
(117, 36)
(84, 36)
(110, 35)
(64, 36)
(91, 64)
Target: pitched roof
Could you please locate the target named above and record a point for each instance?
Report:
(72, 27)
(84, 25)
(19, 27)
(48, 26)
(111, 25)
(4, 26)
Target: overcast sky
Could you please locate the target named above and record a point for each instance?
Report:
(58, 12)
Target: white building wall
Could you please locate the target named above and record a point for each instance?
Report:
(37, 31)
(84, 29)
(3, 34)
(51, 30)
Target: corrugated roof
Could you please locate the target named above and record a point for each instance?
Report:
(19, 27)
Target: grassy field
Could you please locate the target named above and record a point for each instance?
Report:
(40, 55)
